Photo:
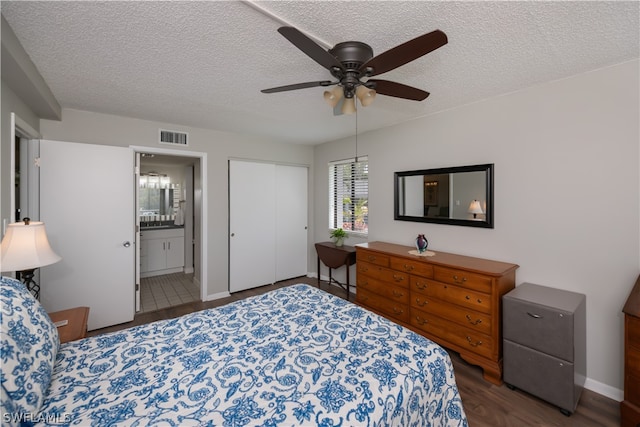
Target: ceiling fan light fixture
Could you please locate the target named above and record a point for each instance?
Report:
(365, 95)
(333, 96)
(349, 106)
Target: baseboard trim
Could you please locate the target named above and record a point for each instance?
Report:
(604, 389)
(219, 295)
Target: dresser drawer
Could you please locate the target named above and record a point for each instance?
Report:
(453, 294)
(372, 257)
(448, 332)
(540, 374)
(474, 281)
(540, 327)
(393, 293)
(463, 316)
(394, 310)
(416, 267)
(368, 270)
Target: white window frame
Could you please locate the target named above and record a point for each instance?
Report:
(336, 214)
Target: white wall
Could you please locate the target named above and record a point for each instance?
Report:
(94, 128)
(567, 192)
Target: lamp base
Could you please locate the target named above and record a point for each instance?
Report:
(27, 278)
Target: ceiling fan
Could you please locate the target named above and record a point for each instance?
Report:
(352, 63)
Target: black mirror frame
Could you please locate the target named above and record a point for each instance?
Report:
(488, 223)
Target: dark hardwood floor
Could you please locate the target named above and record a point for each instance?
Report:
(485, 404)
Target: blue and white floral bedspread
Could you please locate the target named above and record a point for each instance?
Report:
(296, 356)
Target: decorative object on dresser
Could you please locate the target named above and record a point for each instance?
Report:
(545, 343)
(334, 256)
(630, 406)
(451, 299)
(421, 243)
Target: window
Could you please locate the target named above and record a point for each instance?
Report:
(349, 195)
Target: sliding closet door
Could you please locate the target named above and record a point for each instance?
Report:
(252, 219)
(291, 222)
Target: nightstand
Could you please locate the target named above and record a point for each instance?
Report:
(76, 327)
(544, 332)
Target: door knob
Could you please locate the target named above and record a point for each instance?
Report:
(126, 244)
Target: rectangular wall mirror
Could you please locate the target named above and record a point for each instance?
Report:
(461, 195)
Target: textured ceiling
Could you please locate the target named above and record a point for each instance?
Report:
(203, 64)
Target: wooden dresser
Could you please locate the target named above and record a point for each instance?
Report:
(630, 406)
(451, 299)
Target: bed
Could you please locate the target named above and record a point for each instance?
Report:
(294, 356)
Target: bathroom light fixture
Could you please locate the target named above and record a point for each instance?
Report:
(24, 248)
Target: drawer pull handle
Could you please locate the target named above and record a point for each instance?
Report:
(364, 268)
(371, 258)
(398, 278)
(363, 299)
(364, 283)
(477, 343)
(455, 279)
(397, 310)
(420, 285)
(421, 303)
(397, 294)
(421, 321)
(535, 316)
(476, 322)
(408, 267)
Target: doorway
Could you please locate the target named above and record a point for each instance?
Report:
(169, 215)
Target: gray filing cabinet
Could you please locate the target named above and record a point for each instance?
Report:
(544, 337)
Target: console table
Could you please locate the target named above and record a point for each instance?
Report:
(454, 300)
(335, 257)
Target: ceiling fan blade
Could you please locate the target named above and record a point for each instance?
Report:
(406, 52)
(385, 87)
(298, 86)
(309, 47)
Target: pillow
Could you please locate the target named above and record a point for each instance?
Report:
(29, 342)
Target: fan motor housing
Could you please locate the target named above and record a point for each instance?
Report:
(352, 54)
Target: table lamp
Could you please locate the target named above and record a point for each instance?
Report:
(475, 209)
(24, 248)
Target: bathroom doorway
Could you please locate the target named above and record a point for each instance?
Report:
(170, 217)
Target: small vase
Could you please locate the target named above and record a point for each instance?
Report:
(421, 243)
(339, 241)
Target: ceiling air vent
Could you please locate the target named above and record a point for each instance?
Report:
(173, 137)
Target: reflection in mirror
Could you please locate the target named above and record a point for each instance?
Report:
(459, 195)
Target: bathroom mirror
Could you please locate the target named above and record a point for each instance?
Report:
(461, 195)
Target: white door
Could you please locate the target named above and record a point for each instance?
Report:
(87, 204)
(138, 246)
(291, 222)
(252, 219)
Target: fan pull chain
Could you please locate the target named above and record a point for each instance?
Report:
(357, 135)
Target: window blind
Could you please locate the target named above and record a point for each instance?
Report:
(349, 195)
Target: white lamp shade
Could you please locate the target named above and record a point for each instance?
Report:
(349, 106)
(25, 247)
(365, 95)
(333, 96)
(475, 207)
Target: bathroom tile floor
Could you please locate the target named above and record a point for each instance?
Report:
(160, 292)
